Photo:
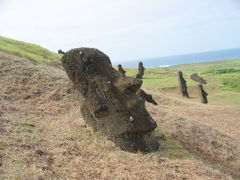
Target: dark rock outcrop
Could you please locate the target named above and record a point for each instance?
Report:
(109, 101)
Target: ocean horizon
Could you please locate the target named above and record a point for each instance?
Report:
(227, 54)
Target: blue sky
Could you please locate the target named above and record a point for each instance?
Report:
(126, 29)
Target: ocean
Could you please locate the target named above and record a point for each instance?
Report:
(184, 59)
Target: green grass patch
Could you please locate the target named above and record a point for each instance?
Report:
(173, 149)
(205, 66)
(30, 51)
(221, 71)
(232, 82)
(231, 98)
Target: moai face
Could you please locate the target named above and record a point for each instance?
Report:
(109, 101)
(180, 73)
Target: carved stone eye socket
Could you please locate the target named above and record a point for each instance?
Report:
(89, 67)
(132, 89)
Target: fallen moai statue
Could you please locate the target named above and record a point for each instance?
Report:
(121, 70)
(140, 70)
(182, 85)
(110, 103)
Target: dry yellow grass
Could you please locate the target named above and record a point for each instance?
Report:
(43, 135)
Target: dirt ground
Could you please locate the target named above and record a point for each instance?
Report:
(43, 135)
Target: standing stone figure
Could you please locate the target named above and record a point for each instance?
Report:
(201, 81)
(140, 70)
(60, 52)
(182, 85)
(121, 70)
(202, 94)
(110, 103)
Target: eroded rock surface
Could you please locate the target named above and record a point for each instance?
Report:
(110, 102)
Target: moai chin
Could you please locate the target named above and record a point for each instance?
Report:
(121, 70)
(203, 94)
(140, 70)
(182, 85)
(109, 101)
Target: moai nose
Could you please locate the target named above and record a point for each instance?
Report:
(127, 84)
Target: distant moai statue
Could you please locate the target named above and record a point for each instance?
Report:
(203, 94)
(197, 78)
(121, 70)
(140, 70)
(60, 52)
(182, 85)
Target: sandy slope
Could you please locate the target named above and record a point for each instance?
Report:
(43, 136)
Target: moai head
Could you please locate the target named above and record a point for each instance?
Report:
(140, 70)
(197, 78)
(109, 101)
(60, 52)
(180, 73)
(121, 70)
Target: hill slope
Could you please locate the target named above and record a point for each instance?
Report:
(30, 51)
(223, 79)
(43, 135)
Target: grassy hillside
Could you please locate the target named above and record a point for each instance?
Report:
(222, 76)
(44, 136)
(223, 79)
(30, 51)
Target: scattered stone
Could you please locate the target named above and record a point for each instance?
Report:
(182, 85)
(140, 70)
(109, 101)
